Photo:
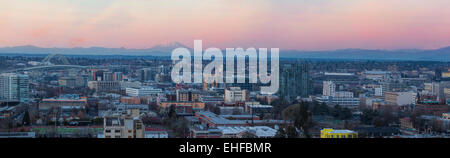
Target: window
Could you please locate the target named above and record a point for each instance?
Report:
(108, 131)
(117, 131)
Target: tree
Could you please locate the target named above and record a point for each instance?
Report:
(278, 106)
(368, 116)
(301, 117)
(341, 113)
(280, 133)
(181, 128)
(26, 118)
(291, 132)
(320, 109)
(172, 114)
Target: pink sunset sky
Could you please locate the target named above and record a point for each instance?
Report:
(285, 24)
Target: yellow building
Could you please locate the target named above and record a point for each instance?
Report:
(332, 133)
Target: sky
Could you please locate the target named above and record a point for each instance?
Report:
(284, 24)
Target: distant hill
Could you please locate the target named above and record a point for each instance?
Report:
(159, 50)
(442, 54)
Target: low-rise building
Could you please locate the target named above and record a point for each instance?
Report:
(333, 133)
(142, 91)
(346, 102)
(124, 126)
(235, 94)
(155, 133)
(104, 86)
(400, 98)
(76, 102)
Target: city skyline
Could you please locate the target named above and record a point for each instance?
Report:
(298, 25)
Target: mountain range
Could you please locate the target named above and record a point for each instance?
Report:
(442, 54)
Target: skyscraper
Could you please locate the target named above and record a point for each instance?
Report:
(108, 76)
(14, 87)
(294, 80)
(146, 74)
(117, 76)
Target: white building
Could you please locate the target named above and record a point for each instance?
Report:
(235, 94)
(14, 87)
(343, 94)
(379, 91)
(328, 88)
(143, 91)
(237, 131)
(400, 98)
(435, 89)
(347, 102)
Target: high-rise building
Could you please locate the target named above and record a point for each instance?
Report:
(438, 75)
(108, 76)
(146, 74)
(294, 80)
(435, 89)
(328, 88)
(14, 87)
(117, 76)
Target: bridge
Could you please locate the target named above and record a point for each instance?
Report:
(53, 66)
(60, 58)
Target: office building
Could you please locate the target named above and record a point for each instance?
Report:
(118, 76)
(183, 95)
(400, 98)
(328, 88)
(124, 126)
(235, 94)
(104, 86)
(294, 80)
(142, 91)
(14, 88)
